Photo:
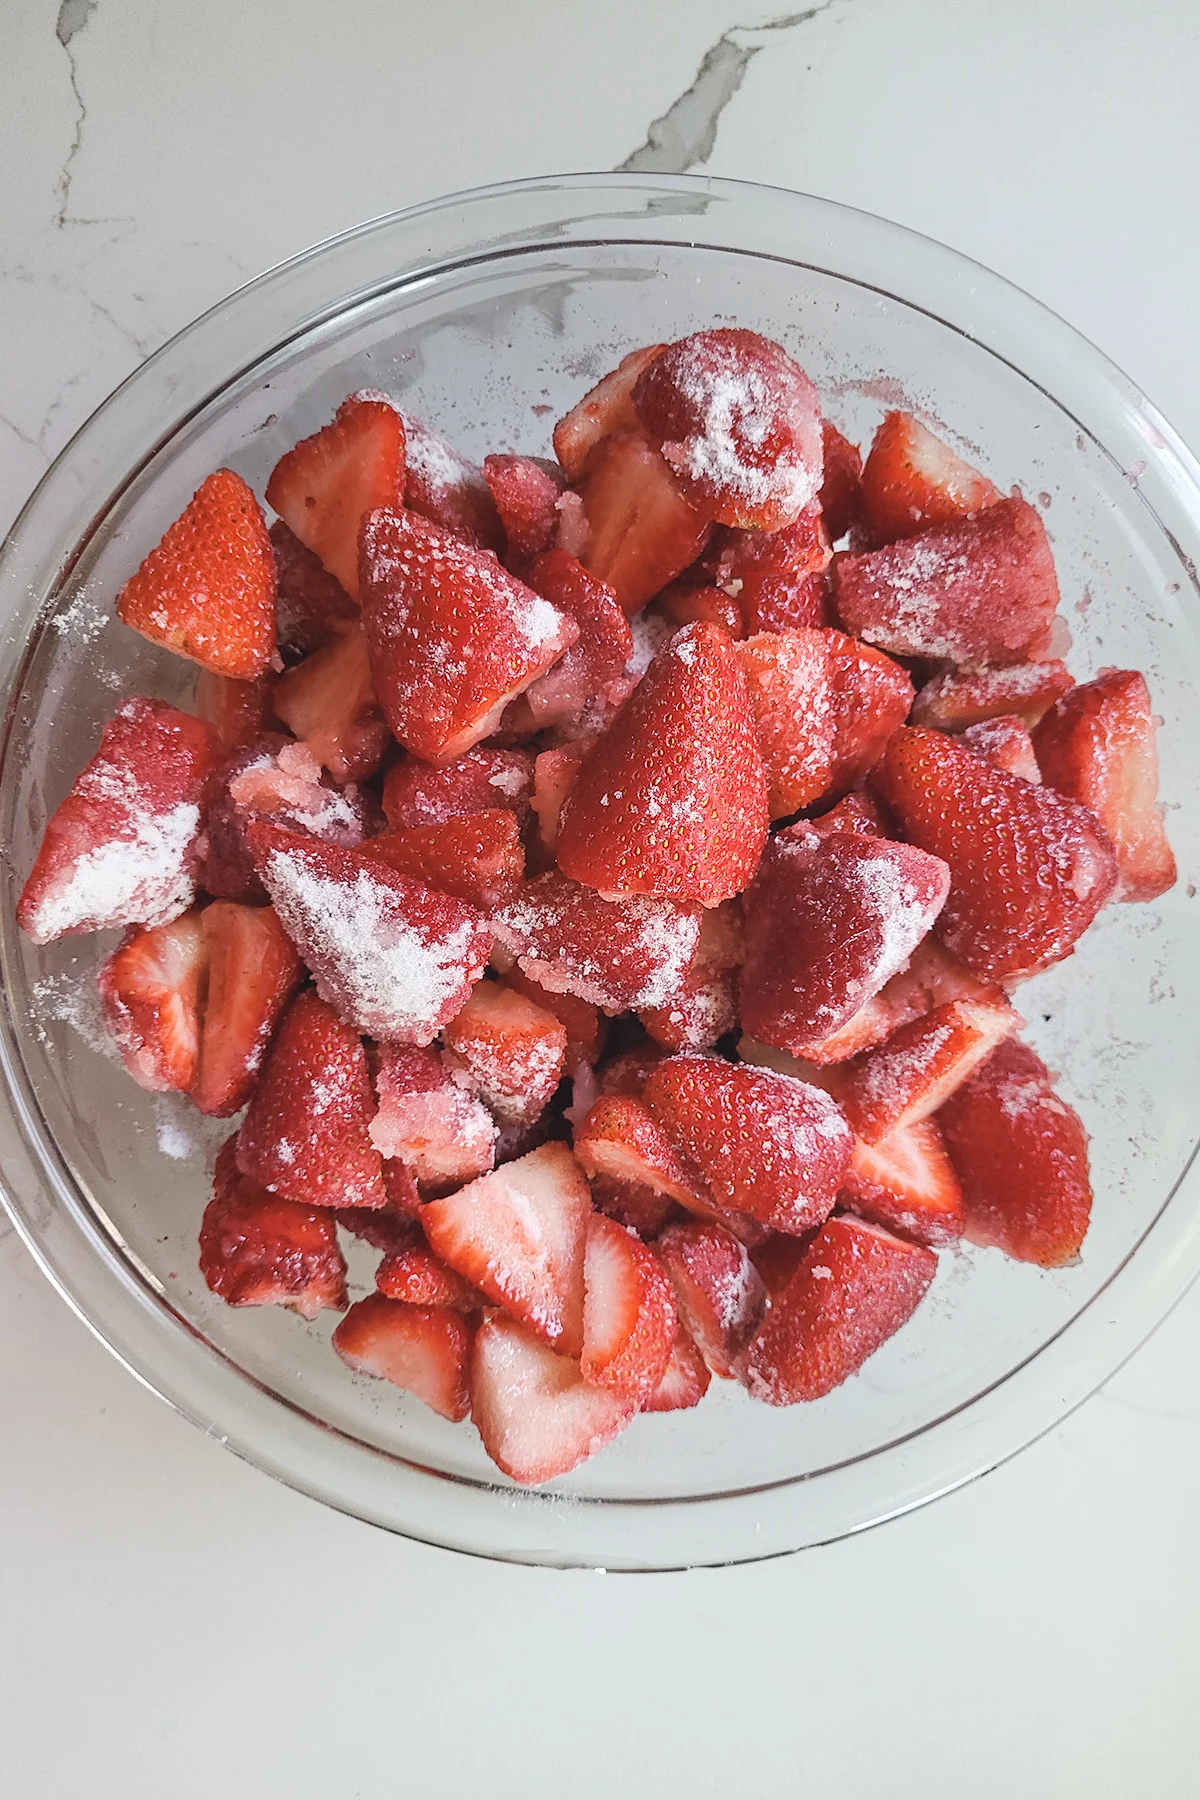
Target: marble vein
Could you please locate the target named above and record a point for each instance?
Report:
(73, 16)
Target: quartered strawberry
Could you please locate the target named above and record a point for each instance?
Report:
(952, 701)
(525, 490)
(427, 1123)
(788, 675)
(634, 1205)
(447, 488)
(859, 810)
(253, 971)
(739, 424)
(207, 591)
(328, 701)
(426, 1350)
(1021, 1154)
(686, 1378)
(702, 1011)
(394, 957)
(932, 978)
(479, 859)
(416, 1276)
(597, 659)
(906, 1183)
(621, 1140)
(327, 484)
(913, 480)
(855, 1288)
(537, 1416)
(403, 1200)
(1096, 745)
(311, 605)
(277, 779)
(583, 1022)
(121, 848)
(1029, 870)
(841, 483)
(871, 696)
(718, 1290)
(151, 992)
(604, 409)
(1005, 743)
(415, 794)
(554, 773)
(977, 592)
(637, 531)
(259, 1250)
(629, 1070)
(686, 602)
(305, 1134)
(236, 710)
(778, 577)
(629, 1320)
(910, 1076)
(508, 1050)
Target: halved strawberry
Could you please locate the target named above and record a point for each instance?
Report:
(685, 1380)
(508, 1050)
(686, 602)
(415, 794)
(1005, 743)
(788, 675)
(621, 1140)
(447, 488)
(416, 1276)
(841, 483)
(906, 1183)
(327, 484)
(583, 1022)
(121, 848)
(931, 978)
(855, 1288)
(328, 701)
(151, 991)
(305, 1134)
(921, 1065)
(739, 424)
(1096, 745)
(537, 1416)
(778, 578)
(718, 1290)
(525, 490)
(913, 480)
(311, 605)
(554, 773)
(253, 971)
(595, 661)
(236, 710)
(426, 1350)
(259, 1250)
(427, 1123)
(479, 859)
(277, 779)
(952, 701)
(604, 409)
(629, 1317)
(1029, 870)
(1021, 1154)
(637, 531)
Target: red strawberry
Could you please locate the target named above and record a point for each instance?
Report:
(604, 409)
(386, 1228)
(508, 1050)
(638, 532)
(276, 779)
(537, 1416)
(415, 794)
(871, 698)
(1005, 743)
(977, 592)
(415, 1276)
(1096, 745)
(952, 701)
(326, 485)
(1021, 1155)
(253, 971)
(633, 1204)
(424, 1349)
(697, 1016)
(686, 603)
(855, 1288)
(913, 480)
(686, 1379)
(629, 1318)
(305, 1135)
(788, 675)
(1029, 870)
(311, 605)
(447, 489)
(932, 978)
(479, 859)
(121, 848)
(718, 1290)
(620, 1140)
(922, 1064)
(427, 1123)
(554, 773)
(328, 701)
(860, 810)
(525, 490)
(150, 990)
(629, 1071)
(598, 657)
(738, 422)
(906, 1183)
(778, 1257)
(778, 577)
(259, 1250)
(583, 1023)
(403, 1198)
(395, 958)
(236, 710)
(841, 483)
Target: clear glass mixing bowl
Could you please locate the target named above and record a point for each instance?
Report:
(489, 312)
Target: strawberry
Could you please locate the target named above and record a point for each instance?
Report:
(739, 424)
(121, 848)
(922, 1064)
(855, 1288)
(634, 1205)
(554, 773)
(604, 409)
(1029, 870)
(841, 483)
(859, 810)
(447, 489)
(913, 480)
(311, 605)
(150, 992)
(508, 1050)
(328, 701)
(597, 658)
(870, 701)
(415, 1276)
(778, 577)
(952, 701)
(778, 1257)
(718, 1290)
(386, 1228)
(253, 971)
(427, 1123)
(629, 1070)
(621, 1140)
(259, 1250)
(525, 490)
(479, 859)
(976, 592)
(637, 531)
(426, 1350)
(906, 1183)
(326, 485)
(787, 673)
(1021, 1154)
(277, 779)
(414, 794)
(629, 1321)
(394, 957)
(236, 710)
(537, 1416)
(932, 978)
(686, 603)
(685, 1380)
(702, 1011)
(1096, 745)
(1005, 743)
(582, 1022)
(305, 1135)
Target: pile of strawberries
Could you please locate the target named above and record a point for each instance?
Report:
(605, 898)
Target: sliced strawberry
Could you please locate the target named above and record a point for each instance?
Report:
(1021, 1155)
(253, 971)
(604, 409)
(1005, 743)
(583, 1023)
(326, 485)
(403, 1200)
(276, 779)
(598, 657)
(638, 531)
(121, 848)
(932, 978)
(920, 1066)
(841, 483)
(685, 602)
(906, 1183)
(554, 774)
(416, 1276)
(621, 1140)
(634, 1205)
(508, 1050)
(777, 577)
(328, 701)
(311, 605)
(629, 1071)
(1029, 870)
(976, 592)
(1096, 745)
(871, 698)
(415, 794)
(913, 480)
(855, 1288)
(537, 1416)
(629, 1318)
(426, 1350)
(427, 1123)
(151, 992)
(952, 701)
(788, 675)
(447, 488)
(479, 859)
(525, 490)
(686, 1378)
(259, 1250)
(236, 710)
(718, 1290)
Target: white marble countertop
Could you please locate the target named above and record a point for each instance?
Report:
(177, 1624)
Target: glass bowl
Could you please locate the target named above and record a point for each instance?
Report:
(489, 313)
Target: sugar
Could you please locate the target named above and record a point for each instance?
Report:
(145, 878)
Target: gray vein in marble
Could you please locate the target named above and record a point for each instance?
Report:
(73, 16)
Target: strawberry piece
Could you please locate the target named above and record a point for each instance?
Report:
(426, 1350)
(150, 992)
(855, 1288)
(932, 978)
(518, 1235)
(976, 592)
(778, 1257)
(403, 1198)
(1096, 745)
(328, 701)
(629, 1071)
(739, 424)
(311, 605)
(427, 1123)
(597, 658)
(388, 1228)
(604, 410)
(906, 1183)
(447, 489)
(537, 1416)
(236, 710)
(582, 1022)
(305, 1135)
(778, 577)
(685, 1380)
(841, 483)
(1029, 870)
(327, 484)
(828, 923)
(718, 1290)
(554, 773)
(952, 701)
(685, 603)
(121, 848)
(633, 1205)
(702, 1011)
(415, 1276)
(621, 1140)
(277, 779)
(1021, 1154)
(395, 958)
(415, 794)
(859, 810)
(479, 859)
(508, 1050)
(629, 1320)
(922, 1064)
(787, 673)
(913, 480)
(259, 1250)
(765, 1144)
(1005, 743)
(253, 971)
(871, 698)
(638, 531)
(525, 490)
(672, 800)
